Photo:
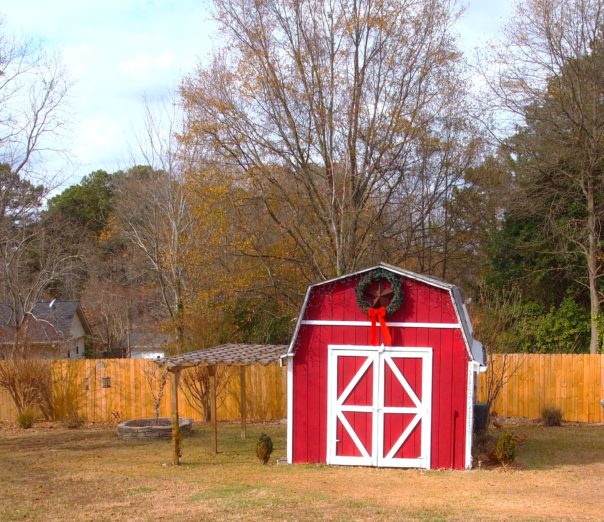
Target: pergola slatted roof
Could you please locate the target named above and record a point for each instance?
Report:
(229, 354)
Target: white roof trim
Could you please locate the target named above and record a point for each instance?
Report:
(462, 316)
(290, 349)
(400, 271)
(455, 293)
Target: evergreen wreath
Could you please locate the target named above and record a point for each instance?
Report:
(376, 275)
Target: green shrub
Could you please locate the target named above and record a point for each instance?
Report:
(565, 329)
(264, 448)
(26, 418)
(505, 451)
(551, 416)
(88, 353)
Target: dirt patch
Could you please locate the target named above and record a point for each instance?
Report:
(51, 473)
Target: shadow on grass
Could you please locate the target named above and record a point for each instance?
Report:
(553, 447)
(544, 447)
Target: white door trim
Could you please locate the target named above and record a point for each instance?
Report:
(473, 369)
(290, 410)
(335, 407)
(422, 409)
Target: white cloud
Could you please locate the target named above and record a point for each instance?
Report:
(144, 65)
(116, 51)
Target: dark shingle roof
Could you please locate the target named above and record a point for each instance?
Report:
(45, 324)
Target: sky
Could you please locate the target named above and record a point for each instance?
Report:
(118, 53)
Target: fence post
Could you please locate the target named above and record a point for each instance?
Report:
(243, 401)
(175, 420)
(212, 372)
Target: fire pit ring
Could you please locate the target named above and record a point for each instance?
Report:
(151, 428)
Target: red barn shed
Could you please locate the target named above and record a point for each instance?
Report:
(381, 372)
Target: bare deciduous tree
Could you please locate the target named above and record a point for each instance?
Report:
(32, 91)
(497, 314)
(33, 254)
(153, 214)
(156, 378)
(318, 107)
(197, 382)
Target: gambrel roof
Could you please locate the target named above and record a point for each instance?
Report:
(475, 349)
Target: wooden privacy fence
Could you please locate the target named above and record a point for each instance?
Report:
(112, 390)
(572, 382)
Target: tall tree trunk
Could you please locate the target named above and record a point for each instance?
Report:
(592, 266)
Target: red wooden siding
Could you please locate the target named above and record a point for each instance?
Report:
(395, 395)
(421, 304)
(361, 395)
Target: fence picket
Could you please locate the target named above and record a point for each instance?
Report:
(129, 396)
(574, 383)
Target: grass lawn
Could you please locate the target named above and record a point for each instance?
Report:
(50, 473)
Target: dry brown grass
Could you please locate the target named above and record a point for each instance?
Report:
(50, 473)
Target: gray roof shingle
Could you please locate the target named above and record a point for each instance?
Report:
(45, 324)
(229, 354)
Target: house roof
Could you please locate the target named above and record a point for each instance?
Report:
(474, 348)
(48, 321)
(229, 354)
(147, 340)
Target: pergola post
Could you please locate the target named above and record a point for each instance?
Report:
(175, 420)
(212, 372)
(243, 401)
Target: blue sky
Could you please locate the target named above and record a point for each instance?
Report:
(118, 52)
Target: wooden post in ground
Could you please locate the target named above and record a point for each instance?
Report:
(212, 372)
(175, 419)
(243, 401)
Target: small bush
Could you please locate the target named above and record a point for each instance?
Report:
(551, 416)
(26, 418)
(483, 447)
(505, 451)
(29, 384)
(264, 448)
(73, 421)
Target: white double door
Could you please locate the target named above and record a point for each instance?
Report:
(379, 406)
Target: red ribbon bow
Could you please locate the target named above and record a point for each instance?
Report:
(379, 314)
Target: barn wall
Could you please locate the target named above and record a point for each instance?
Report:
(421, 303)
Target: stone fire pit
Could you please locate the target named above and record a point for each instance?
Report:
(151, 428)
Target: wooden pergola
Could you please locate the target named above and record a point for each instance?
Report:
(241, 355)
